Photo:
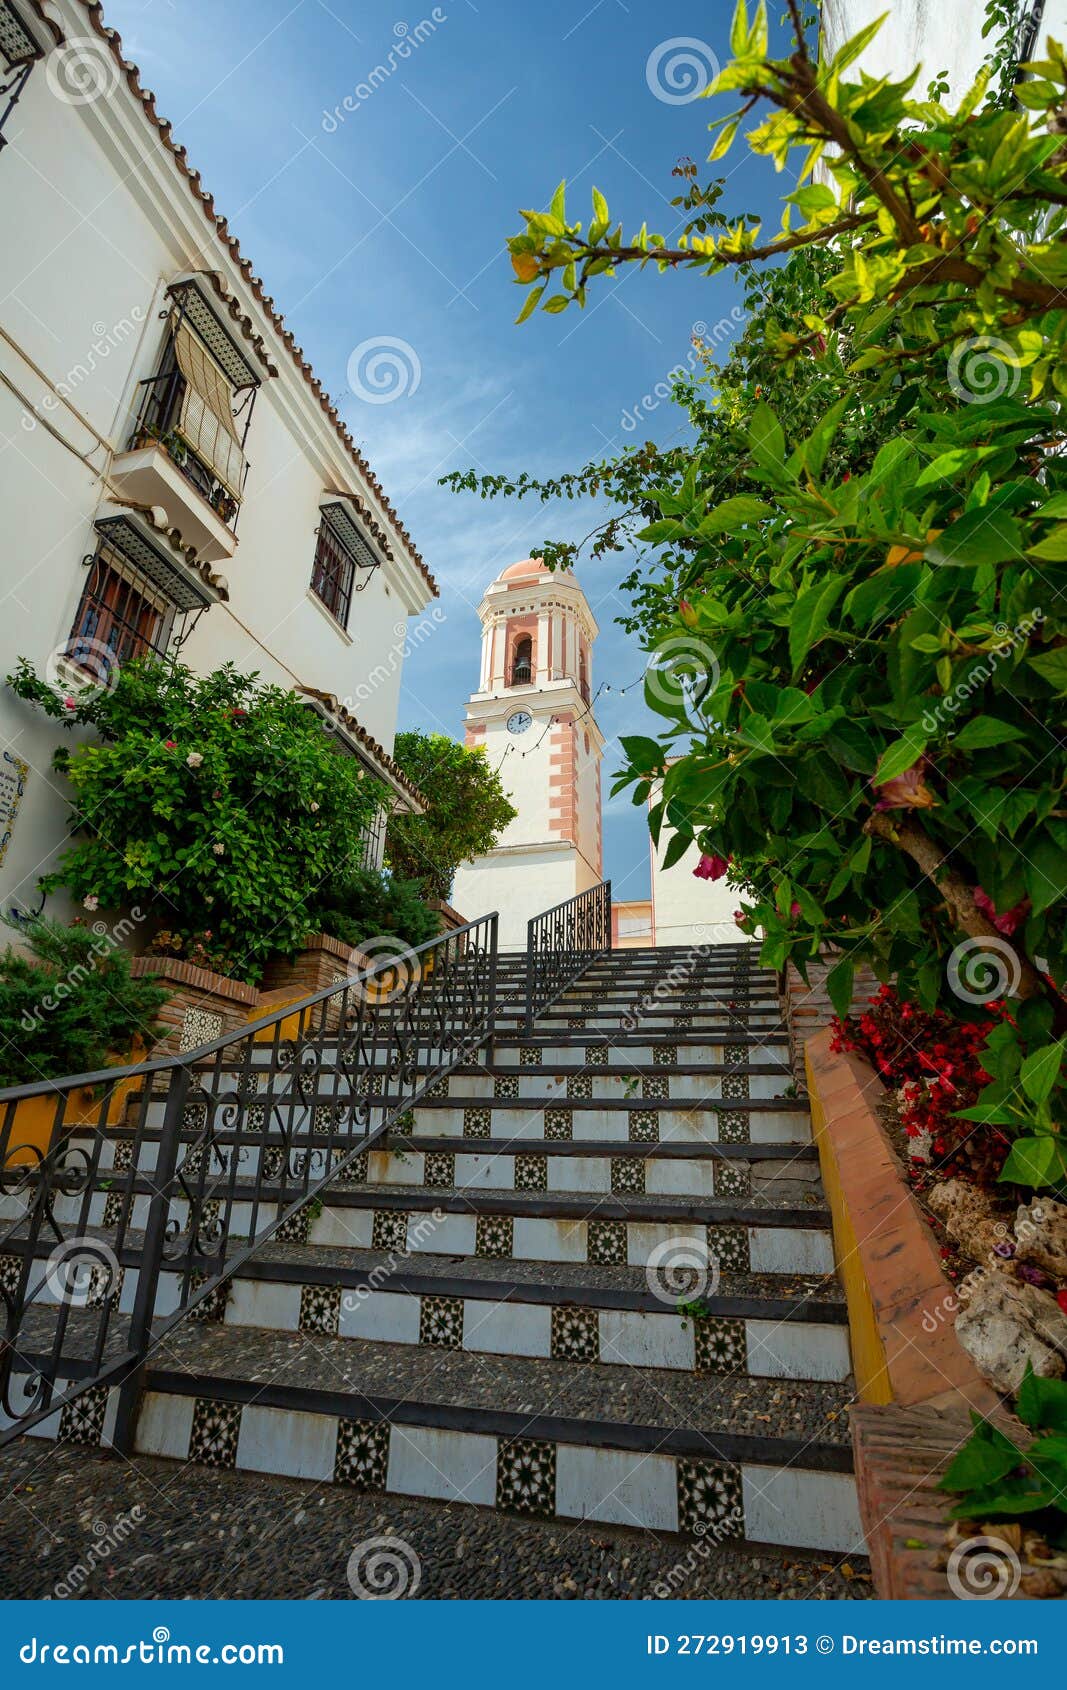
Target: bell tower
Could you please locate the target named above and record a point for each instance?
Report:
(533, 715)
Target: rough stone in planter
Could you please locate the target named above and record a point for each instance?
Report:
(1041, 1236)
(969, 1217)
(202, 1005)
(1003, 1323)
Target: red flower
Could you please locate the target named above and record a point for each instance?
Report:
(712, 868)
(1010, 920)
(1061, 1298)
(170, 745)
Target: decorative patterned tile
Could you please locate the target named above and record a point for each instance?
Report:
(438, 1089)
(734, 1085)
(362, 1458)
(320, 1308)
(493, 1237)
(531, 1173)
(735, 1053)
(644, 1126)
(439, 1168)
(709, 1500)
(734, 1127)
(82, 1421)
(607, 1243)
(559, 1123)
(721, 1346)
(530, 1056)
(579, 1085)
(199, 1027)
(216, 1428)
(664, 1056)
(295, 1230)
(656, 1086)
(628, 1176)
(356, 1172)
(506, 1085)
(441, 1322)
(477, 1123)
(733, 1179)
(112, 1208)
(10, 1273)
(122, 1158)
(596, 1056)
(213, 1308)
(728, 1245)
(526, 1478)
(575, 1333)
(683, 1023)
(390, 1230)
(575, 1021)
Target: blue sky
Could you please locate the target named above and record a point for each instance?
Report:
(391, 223)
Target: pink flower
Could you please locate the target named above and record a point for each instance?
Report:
(70, 702)
(907, 791)
(794, 910)
(313, 806)
(712, 868)
(219, 848)
(194, 759)
(1007, 923)
(170, 745)
(92, 902)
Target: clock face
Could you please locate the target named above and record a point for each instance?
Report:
(519, 722)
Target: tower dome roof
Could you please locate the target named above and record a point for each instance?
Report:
(526, 568)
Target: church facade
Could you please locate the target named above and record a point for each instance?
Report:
(532, 713)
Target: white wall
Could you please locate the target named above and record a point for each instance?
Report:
(518, 885)
(97, 221)
(946, 36)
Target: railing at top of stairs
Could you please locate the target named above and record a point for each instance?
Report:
(561, 943)
(179, 1170)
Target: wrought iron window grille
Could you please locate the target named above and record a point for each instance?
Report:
(19, 53)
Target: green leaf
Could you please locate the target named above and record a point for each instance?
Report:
(982, 536)
(533, 299)
(810, 617)
(947, 466)
(1042, 1403)
(883, 595)
(1033, 1161)
(983, 731)
(1045, 872)
(839, 984)
(1053, 548)
(986, 1457)
(734, 513)
(1052, 667)
(677, 846)
(766, 436)
(900, 755)
(1040, 1069)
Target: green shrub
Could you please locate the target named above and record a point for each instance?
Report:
(71, 1008)
(220, 800)
(996, 1480)
(369, 904)
(467, 809)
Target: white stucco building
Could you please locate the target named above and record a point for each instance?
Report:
(172, 473)
(532, 713)
(941, 38)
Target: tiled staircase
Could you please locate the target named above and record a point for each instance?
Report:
(590, 1278)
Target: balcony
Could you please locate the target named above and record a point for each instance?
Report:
(521, 675)
(161, 467)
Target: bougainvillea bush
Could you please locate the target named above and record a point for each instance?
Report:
(218, 802)
(861, 675)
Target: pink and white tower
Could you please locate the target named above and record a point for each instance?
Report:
(533, 715)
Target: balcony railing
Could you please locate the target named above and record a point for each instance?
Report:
(561, 943)
(156, 419)
(521, 675)
(178, 1171)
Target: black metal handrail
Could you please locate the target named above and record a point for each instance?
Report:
(562, 942)
(178, 1170)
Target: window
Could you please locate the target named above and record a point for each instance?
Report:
(331, 579)
(342, 550)
(18, 51)
(522, 662)
(119, 615)
(135, 602)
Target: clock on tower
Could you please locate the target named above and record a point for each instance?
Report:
(532, 714)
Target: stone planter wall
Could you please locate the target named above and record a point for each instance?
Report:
(202, 1005)
(917, 1387)
(450, 918)
(322, 962)
(806, 1006)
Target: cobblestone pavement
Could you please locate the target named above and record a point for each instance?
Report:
(73, 1523)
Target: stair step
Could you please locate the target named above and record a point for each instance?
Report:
(550, 1438)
